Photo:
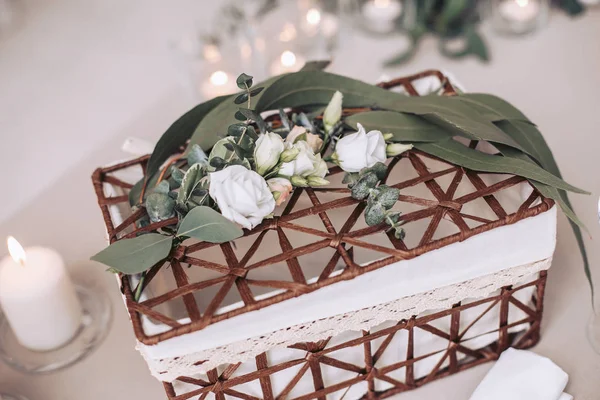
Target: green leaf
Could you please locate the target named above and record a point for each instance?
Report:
(241, 98)
(160, 206)
(456, 153)
(374, 214)
(405, 127)
(361, 189)
(452, 10)
(285, 121)
(190, 182)
(319, 65)
(196, 156)
(204, 223)
(162, 187)
(244, 81)
(379, 169)
(560, 196)
(491, 107)
(132, 256)
(256, 91)
(255, 116)
(179, 132)
(386, 196)
(220, 117)
(177, 175)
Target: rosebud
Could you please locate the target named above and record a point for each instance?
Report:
(289, 154)
(388, 136)
(333, 112)
(299, 181)
(393, 149)
(281, 189)
(316, 181)
(269, 147)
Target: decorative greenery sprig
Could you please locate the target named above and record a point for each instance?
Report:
(365, 185)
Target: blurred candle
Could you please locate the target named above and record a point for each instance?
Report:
(381, 14)
(38, 298)
(287, 62)
(519, 10)
(219, 83)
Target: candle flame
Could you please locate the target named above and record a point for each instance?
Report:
(16, 250)
(288, 59)
(219, 78)
(522, 3)
(313, 16)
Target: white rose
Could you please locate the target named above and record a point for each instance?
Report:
(333, 112)
(281, 189)
(242, 195)
(313, 140)
(360, 150)
(269, 147)
(306, 163)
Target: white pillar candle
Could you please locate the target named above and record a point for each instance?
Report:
(381, 13)
(519, 10)
(38, 297)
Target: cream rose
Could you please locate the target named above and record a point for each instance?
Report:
(360, 150)
(242, 195)
(306, 163)
(314, 141)
(269, 147)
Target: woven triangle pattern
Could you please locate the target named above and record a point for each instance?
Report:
(383, 361)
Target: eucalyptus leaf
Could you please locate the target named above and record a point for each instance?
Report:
(560, 196)
(162, 187)
(362, 188)
(204, 223)
(256, 91)
(379, 169)
(241, 98)
(255, 116)
(491, 107)
(386, 196)
(178, 133)
(244, 81)
(316, 65)
(136, 255)
(405, 127)
(196, 156)
(177, 174)
(375, 214)
(220, 117)
(160, 206)
(285, 121)
(456, 153)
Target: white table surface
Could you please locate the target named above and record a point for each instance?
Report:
(77, 78)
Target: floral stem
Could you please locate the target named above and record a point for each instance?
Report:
(139, 288)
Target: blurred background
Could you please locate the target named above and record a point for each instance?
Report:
(78, 77)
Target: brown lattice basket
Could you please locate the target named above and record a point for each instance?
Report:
(203, 284)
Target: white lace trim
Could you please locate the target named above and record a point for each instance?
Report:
(168, 369)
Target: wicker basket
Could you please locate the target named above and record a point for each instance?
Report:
(315, 304)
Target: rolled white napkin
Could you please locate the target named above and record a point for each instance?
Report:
(522, 375)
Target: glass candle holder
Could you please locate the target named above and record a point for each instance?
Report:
(210, 62)
(295, 31)
(519, 17)
(380, 17)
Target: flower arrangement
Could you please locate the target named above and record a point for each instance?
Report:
(286, 132)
